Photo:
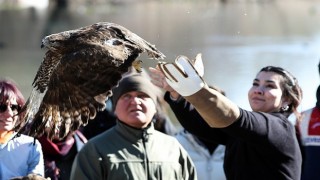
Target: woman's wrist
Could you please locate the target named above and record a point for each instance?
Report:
(174, 95)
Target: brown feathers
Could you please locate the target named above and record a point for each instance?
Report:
(77, 73)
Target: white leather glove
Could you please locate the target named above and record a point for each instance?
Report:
(184, 76)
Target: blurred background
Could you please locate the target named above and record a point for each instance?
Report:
(236, 37)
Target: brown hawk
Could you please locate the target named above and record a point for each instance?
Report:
(77, 74)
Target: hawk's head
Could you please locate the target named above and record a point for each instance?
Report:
(57, 41)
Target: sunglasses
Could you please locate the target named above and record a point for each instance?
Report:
(13, 107)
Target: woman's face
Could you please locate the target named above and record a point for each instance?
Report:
(135, 109)
(265, 95)
(7, 117)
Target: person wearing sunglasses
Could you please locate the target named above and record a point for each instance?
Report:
(20, 155)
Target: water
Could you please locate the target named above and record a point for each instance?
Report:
(236, 38)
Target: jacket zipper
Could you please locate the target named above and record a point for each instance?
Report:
(146, 161)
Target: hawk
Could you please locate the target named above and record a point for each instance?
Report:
(75, 78)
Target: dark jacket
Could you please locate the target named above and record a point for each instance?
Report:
(258, 145)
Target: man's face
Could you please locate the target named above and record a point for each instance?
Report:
(135, 109)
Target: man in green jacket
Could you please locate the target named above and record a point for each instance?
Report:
(133, 149)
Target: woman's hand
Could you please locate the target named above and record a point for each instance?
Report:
(158, 79)
(183, 75)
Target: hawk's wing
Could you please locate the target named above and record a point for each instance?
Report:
(77, 75)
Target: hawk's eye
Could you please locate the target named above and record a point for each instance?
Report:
(116, 42)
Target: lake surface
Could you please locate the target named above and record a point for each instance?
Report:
(236, 38)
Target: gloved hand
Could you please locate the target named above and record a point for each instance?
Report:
(184, 76)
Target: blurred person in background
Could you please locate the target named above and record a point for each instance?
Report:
(60, 154)
(103, 121)
(207, 156)
(308, 128)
